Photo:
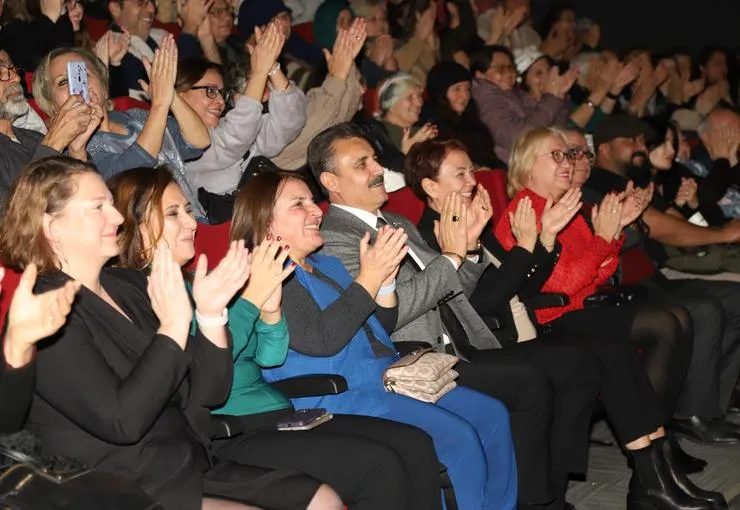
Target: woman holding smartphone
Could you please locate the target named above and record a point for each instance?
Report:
(372, 463)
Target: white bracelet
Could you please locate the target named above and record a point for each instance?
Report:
(274, 69)
(387, 289)
(212, 322)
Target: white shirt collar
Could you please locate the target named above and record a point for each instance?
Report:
(369, 218)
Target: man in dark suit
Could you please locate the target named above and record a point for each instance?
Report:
(550, 402)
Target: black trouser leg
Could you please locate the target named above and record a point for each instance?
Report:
(526, 392)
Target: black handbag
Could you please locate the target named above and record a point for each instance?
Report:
(29, 482)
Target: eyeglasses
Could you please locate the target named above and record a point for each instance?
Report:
(221, 11)
(5, 71)
(560, 156)
(213, 92)
(582, 152)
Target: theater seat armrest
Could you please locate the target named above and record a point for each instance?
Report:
(546, 300)
(313, 385)
(408, 347)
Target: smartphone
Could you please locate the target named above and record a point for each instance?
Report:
(77, 79)
(305, 419)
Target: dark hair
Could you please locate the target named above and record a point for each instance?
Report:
(402, 17)
(424, 160)
(192, 69)
(320, 154)
(137, 194)
(254, 206)
(552, 16)
(481, 60)
(708, 52)
(43, 187)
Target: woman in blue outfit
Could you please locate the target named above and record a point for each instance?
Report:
(340, 325)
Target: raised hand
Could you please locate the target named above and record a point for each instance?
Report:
(687, 193)
(523, 223)
(426, 132)
(626, 75)
(606, 217)
(265, 52)
(451, 228)
(479, 214)
(425, 23)
(379, 263)
(33, 317)
(193, 14)
(71, 120)
(557, 215)
(169, 297)
(52, 9)
(514, 18)
(118, 46)
(78, 146)
(357, 36)
(635, 202)
(213, 291)
(381, 49)
(264, 289)
(162, 73)
(340, 60)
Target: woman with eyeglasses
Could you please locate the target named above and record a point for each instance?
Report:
(245, 131)
(136, 137)
(540, 181)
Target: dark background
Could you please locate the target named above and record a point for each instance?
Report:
(660, 24)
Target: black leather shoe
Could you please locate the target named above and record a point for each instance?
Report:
(668, 448)
(704, 431)
(688, 463)
(666, 495)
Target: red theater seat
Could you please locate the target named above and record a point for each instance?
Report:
(9, 284)
(213, 241)
(304, 31)
(405, 203)
(121, 104)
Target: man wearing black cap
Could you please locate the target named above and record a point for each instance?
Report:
(621, 155)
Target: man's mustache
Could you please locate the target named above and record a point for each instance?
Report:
(380, 179)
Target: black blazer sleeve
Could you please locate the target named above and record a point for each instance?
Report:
(80, 383)
(211, 370)
(16, 390)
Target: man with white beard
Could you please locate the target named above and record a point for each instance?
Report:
(68, 130)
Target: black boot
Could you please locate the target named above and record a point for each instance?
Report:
(668, 447)
(653, 488)
(688, 463)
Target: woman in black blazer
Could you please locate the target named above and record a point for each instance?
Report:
(30, 319)
(441, 173)
(124, 386)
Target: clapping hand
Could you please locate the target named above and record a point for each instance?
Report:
(381, 50)
(213, 291)
(607, 217)
(523, 223)
(266, 50)
(451, 229)
(687, 193)
(162, 73)
(557, 215)
(169, 297)
(379, 263)
(426, 132)
(635, 202)
(479, 214)
(264, 289)
(33, 317)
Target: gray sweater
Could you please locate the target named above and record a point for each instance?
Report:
(245, 129)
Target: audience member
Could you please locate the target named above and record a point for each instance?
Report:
(371, 463)
(31, 318)
(337, 98)
(450, 109)
(377, 61)
(505, 108)
(419, 49)
(137, 137)
(124, 387)
(245, 131)
(341, 325)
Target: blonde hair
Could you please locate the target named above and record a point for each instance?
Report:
(524, 153)
(395, 88)
(42, 84)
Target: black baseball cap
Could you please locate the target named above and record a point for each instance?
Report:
(620, 125)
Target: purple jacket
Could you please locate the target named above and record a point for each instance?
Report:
(507, 114)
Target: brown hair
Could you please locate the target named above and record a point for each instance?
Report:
(192, 69)
(254, 206)
(137, 194)
(43, 187)
(424, 160)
